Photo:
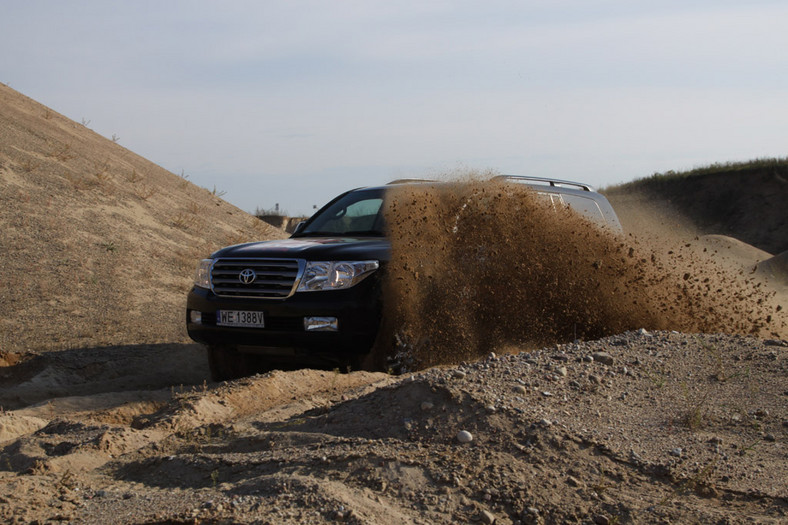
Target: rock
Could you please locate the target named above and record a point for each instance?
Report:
(573, 482)
(603, 357)
(426, 405)
(458, 374)
(463, 436)
(546, 423)
(676, 452)
(562, 371)
(601, 519)
(519, 389)
(487, 517)
(531, 516)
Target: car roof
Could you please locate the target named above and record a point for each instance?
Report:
(535, 182)
(538, 184)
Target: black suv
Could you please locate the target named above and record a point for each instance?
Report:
(315, 299)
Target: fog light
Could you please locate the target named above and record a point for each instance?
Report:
(321, 324)
(195, 317)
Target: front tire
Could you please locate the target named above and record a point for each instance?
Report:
(227, 363)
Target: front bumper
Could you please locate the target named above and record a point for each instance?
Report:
(357, 310)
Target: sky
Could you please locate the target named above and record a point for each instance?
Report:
(293, 102)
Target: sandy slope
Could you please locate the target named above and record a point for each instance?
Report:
(99, 245)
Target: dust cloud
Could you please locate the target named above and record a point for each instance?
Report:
(478, 266)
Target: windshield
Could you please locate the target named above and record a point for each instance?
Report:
(354, 213)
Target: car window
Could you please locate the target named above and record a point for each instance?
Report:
(585, 207)
(354, 213)
(552, 198)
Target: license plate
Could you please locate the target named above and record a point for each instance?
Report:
(243, 318)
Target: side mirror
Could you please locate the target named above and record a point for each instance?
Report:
(299, 227)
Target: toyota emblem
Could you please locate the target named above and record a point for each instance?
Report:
(247, 276)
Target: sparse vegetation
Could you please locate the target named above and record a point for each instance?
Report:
(101, 170)
(193, 208)
(184, 220)
(218, 193)
(144, 192)
(697, 409)
(133, 176)
(780, 163)
(29, 165)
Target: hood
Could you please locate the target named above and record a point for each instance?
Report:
(313, 249)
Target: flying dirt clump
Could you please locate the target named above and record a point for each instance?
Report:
(479, 265)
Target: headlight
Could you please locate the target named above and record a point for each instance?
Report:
(202, 277)
(334, 275)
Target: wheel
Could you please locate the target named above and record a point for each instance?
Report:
(352, 363)
(227, 363)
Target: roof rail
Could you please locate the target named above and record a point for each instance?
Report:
(545, 181)
(408, 181)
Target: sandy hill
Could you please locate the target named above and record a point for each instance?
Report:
(98, 244)
(741, 200)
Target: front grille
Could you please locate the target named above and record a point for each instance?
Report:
(273, 278)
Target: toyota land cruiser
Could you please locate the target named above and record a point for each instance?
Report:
(315, 299)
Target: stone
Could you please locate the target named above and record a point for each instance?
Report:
(486, 517)
(463, 436)
(603, 357)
